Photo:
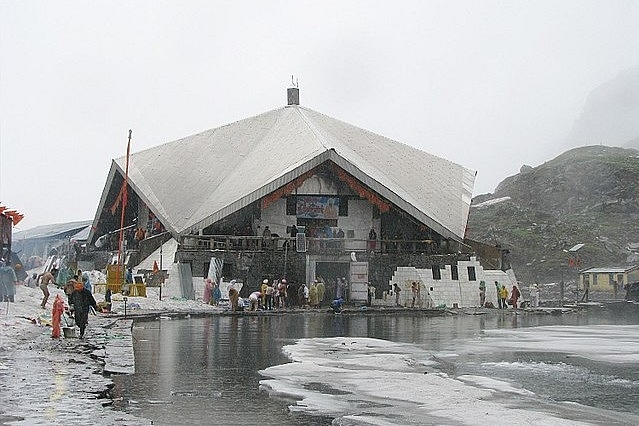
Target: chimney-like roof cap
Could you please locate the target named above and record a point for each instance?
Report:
(293, 96)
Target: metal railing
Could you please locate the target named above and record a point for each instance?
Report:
(313, 245)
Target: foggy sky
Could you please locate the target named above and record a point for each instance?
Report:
(490, 85)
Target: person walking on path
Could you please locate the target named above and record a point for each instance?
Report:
(81, 300)
(482, 293)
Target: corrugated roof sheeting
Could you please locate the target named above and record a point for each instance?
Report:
(197, 180)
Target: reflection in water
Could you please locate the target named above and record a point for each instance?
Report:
(205, 371)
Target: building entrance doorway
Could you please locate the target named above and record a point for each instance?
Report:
(329, 272)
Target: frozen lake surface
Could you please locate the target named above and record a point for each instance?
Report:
(316, 369)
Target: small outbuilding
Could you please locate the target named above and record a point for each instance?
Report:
(608, 279)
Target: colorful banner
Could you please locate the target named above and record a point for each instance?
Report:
(314, 207)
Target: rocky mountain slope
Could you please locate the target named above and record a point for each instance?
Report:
(588, 195)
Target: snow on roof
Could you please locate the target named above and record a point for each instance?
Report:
(609, 270)
(51, 231)
(195, 181)
(82, 234)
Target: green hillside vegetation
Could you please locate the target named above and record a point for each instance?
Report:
(587, 195)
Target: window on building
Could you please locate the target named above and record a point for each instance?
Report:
(291, 205)
(454, 272)
(471, 274)
(343, 206)
(437, 273)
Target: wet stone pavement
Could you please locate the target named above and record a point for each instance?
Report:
(60, 381)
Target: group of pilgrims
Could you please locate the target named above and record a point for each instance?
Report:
(504, 297)
(279, 294)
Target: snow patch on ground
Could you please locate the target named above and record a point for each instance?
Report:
(492, 202)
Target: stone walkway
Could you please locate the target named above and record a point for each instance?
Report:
(47, 381)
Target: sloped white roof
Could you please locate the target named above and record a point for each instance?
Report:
(52, 231)
(609, 270)
(195, 181)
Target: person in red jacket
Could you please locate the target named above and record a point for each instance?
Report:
(514, 295)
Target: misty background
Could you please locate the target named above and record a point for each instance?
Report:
(490, 85)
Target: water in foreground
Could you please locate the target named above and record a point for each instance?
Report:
(314, 369)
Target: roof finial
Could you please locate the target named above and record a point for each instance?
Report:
(293, 92)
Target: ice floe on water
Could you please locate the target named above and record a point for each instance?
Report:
(605, 343)
(377, 382)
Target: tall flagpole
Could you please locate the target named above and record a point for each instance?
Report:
(124, 200)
